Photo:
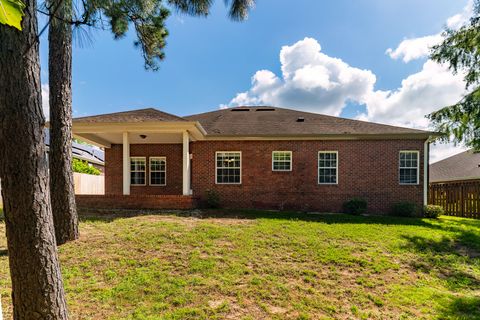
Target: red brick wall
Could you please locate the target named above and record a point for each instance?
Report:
(114, 168)
(367, 169)
(135, 202)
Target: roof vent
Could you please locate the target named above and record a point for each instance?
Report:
(300, 119)
(240, 109)
(265, 109)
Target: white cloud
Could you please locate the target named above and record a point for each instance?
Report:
(420, 94)
(458, 20)
(423, 92)
(440, 151)
(45, 100)
(412, 49)
(313, 81)
(416, 48)
(310, 80)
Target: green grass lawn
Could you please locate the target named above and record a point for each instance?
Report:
(269, 265)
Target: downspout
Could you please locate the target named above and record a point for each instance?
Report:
(426, 180)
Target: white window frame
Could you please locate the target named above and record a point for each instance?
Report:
(216, 168)
(291, 161)
(139, 158)
(418, 168)
(318, 168)
(150, 171)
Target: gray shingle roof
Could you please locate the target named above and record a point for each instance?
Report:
(271, 121)
(141, 115)
(462, 166)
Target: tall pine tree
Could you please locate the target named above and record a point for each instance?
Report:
(148, 19)
(37, 288)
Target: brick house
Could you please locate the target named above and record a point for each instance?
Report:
(254, 157)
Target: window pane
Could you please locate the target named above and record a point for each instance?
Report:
(327, 167)
(408, 176)
(408, 165)
(137, 178)
(157, 171)
(228, 167)
(282, 161)
(137, 169)
(157, 178)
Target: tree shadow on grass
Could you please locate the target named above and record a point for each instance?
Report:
(452, 254)
(250, 214)
(462, 308)
(465, 231)
(462, 227)
(447, 258)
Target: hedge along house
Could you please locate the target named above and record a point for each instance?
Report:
(254, 157)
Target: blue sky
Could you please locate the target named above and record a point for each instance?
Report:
(210, 60)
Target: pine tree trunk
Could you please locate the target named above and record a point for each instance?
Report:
(34, 267)
(60, 80)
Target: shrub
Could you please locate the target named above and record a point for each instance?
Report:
(81, 166)
(213, 199)
(432, 211)
(355, 206)
(404, 209)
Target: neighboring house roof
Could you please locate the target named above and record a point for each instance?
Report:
(462, 166)
(81, 151)
(141, 115)
(273, 121)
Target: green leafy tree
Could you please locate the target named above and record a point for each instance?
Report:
(11, 13)
(461, 51)
(82, 166)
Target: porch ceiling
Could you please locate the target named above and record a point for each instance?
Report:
(134, 138)
(104, 135)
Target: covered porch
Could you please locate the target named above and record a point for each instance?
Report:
(147, 163)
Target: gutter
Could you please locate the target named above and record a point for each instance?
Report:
(456, 180)
(345, 136)
(426, 178)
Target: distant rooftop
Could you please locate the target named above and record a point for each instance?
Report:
(82, 151)
(462, 166)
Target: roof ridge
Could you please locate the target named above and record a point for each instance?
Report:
(131, 111)
(309, 113)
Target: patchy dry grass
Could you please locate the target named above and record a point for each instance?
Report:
(267, 265)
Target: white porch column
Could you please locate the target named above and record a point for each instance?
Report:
(186, 163)
(126, 164)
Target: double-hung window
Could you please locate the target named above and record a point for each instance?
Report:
(158, 171)
(282, 160)
(327, 167)
(137, 171)
(228, 167)
(408, 167)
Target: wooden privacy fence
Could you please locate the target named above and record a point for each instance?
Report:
(88, 183)
(459, 198)
(84, 184)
